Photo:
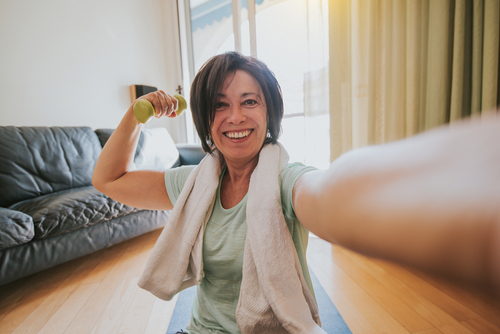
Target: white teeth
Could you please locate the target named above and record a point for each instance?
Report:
(238, 135)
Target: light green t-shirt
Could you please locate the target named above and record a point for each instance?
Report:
(223, 245)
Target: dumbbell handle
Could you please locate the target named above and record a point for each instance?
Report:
(144, 110)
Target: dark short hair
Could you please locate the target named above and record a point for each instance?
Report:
(208, 84)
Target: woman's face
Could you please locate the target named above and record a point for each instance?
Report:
(240, 124)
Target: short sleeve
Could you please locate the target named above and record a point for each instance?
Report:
(289, 176)
(175, 178)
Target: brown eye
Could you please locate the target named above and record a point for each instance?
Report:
(250, 102)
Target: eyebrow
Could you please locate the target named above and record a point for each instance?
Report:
(242, 95)
(246, 94)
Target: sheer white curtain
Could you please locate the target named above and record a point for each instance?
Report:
(401, 67)
(292, 39)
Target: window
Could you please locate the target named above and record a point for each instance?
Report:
(291, 37)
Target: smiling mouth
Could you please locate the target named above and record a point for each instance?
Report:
(237, 134)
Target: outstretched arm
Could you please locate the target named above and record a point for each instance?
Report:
(113, 174)
(431, 201)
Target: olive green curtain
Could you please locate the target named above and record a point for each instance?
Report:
(400, 67)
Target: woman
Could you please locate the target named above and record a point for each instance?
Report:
(237, 107)
(399, 201)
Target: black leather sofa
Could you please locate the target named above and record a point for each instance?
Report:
(49, 211)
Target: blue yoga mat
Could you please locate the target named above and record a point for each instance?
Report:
(330, 318)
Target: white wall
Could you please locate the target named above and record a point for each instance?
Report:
(71, 62)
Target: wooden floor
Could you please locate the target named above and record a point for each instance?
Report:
(99, 294)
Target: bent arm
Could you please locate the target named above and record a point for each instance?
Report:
(431, 201)
(114, 175)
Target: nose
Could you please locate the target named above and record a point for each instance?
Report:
(236, 115)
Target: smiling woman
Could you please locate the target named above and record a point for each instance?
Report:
(231, 83)
(240, 124)
(237, 108)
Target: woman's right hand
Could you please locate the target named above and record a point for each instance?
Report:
(164, 104)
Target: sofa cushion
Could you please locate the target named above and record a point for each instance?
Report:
(70, 210)
(155, 149)
(16, 228)
(35, 161)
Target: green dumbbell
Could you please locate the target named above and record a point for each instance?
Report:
(144, 110)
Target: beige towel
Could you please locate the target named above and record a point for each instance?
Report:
(274, 297)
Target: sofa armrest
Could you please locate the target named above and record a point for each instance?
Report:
(16, 228)
(190, 154)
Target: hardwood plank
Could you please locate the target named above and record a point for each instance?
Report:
(68, 310)
(352, 317)
(160, 316)
(429, 331)
(109, 258)
(485, 306)
(473, 303)
(393, 304)
(23, 309)
(37, 319)
(118, 263)
(376, 315)
(434, 315)
(113, 315)
(22, 299)
(137, 317)
(457, 287)
(12, 293)
(30, 292)
(47, 303)
(146, 243)
(136, 320)
(481, 326)
(449, 305)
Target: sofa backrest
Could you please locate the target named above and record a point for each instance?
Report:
(35, 161)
